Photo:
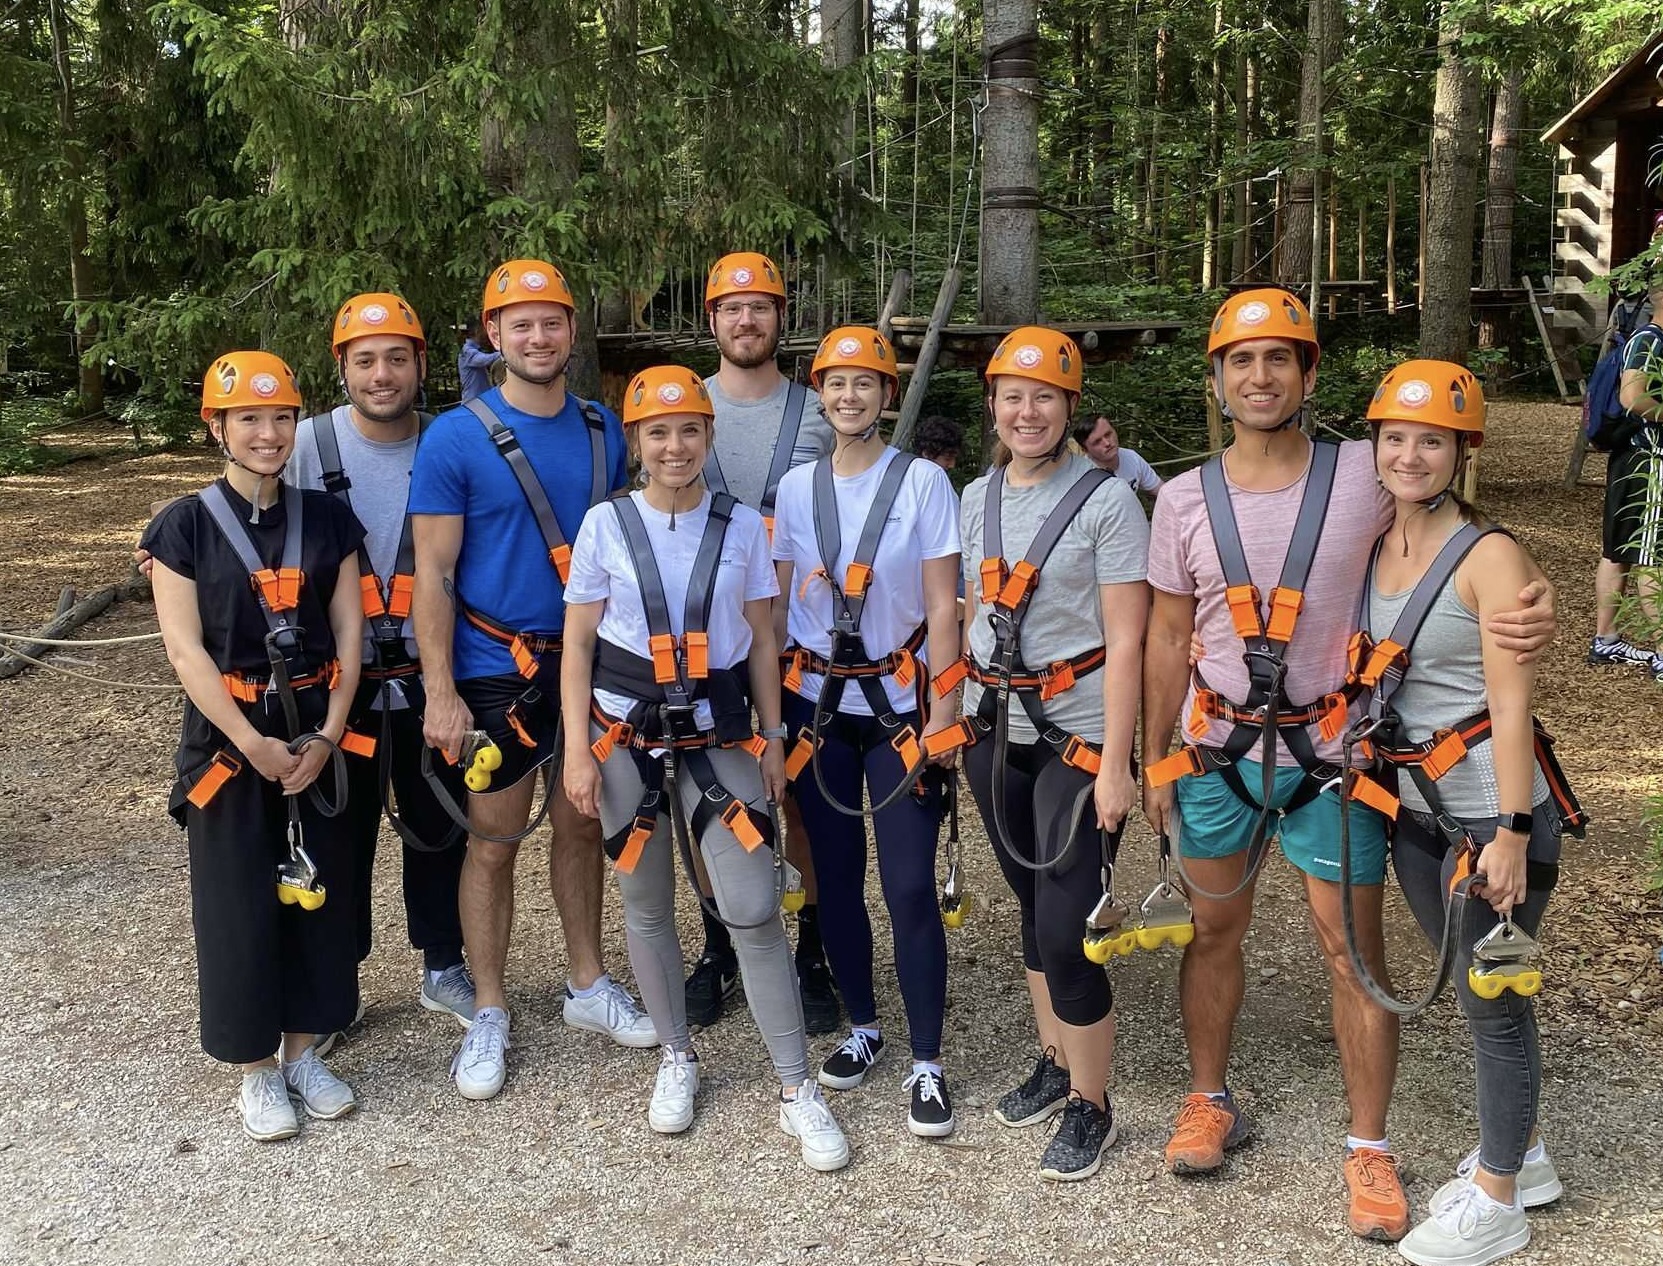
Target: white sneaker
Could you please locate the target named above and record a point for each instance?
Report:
(610, 1010)
(808, 1120)
(264, 1102)
(481, 1065)
(671, 1110)
(1469, 1230)
(1538, 1182)
(323, 1095)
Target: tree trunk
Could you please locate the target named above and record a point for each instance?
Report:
(1211, 245)
(1247, 91)
(90, 378)
(1322, 22)
(615, 310)
(1009, 272)
(1500, 197)
(1103, 155)
(1452, 197)
(1153, 207)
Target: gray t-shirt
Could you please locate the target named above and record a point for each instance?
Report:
(747, 432)
(380, 475)
(1106, 544)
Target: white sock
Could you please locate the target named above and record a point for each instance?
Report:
(926, 1066)
(1352, 1143)
(1486, 1198)
(870, 1030)
(601, 982)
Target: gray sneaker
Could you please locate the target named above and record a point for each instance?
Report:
(1076, 1149)
(1044, 1093)
(1538, 1182)
(324, 1095)
(264, 1102)
(326, 1041)
(451, 994)
(481, 1066)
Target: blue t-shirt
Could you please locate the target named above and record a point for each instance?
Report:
(503, 569)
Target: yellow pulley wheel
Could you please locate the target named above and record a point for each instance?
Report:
(1491, 985)
(477, 778)
(1100, 948)
(305, 898)
(955, 910)
(1178, 934)
(793, 900)
(489, 758)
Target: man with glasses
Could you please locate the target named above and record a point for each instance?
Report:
(765, 425)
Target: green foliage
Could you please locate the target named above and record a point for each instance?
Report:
(21, 421)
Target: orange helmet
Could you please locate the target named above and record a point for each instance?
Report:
(240, 379)
(665, 390)
(525, 281)
(854, 347)
(741, 273)
(1266, 313)
(1042, 354)
(1436, 392)
(375, 313)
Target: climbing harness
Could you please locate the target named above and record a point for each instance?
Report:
(1265, 633)
(957, 902)
(278, 592)
(1379, 668)
(849, 659)
(1008, 591)
(785, 447)
(661, 733)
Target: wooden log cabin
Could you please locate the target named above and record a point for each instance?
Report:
(1608, 146)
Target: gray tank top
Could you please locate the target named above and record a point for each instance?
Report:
(1445, 684)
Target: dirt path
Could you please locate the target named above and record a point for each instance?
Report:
(119, 1143)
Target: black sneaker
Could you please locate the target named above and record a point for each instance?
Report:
(931, 1114)
(711, 984)
(1076, 1149)
(847, 1066)
(1617, 651)
(1037, 1098)
(821, 1011)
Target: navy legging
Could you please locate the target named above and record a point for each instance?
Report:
(907, 833)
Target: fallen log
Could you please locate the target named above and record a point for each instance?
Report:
(70, 616)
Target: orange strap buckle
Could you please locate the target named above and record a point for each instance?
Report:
(906, 668)
(993, 578)
(525, 659)
(280, 589)
(1448, 750)
(1331, 724)
(856, 579)
(1382, 656)
(663, 646)
(221, 770)
(1023, 577)
(768, 523)
(1465, 862)
(618, 734)
(1056, 679)
(950, 678)
(1364, 790)
(906, 747)
(697, 647)
(756, 745)
(960, 734)
(241, 689)
(1079, 754)
(800, 754)
(357, 744)
(1182, 763)
(369, 590)
(1356, 653)
(401, 593)
(1243, 601)
(1285, 605)
(738, 820)
(512, 716)
(635, 845)
(793, 678)
(1202, 708)
(560, 558)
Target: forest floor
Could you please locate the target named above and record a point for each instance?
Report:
(119, 1142)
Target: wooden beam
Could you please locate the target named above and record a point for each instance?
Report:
(900, 292)
(912, 405)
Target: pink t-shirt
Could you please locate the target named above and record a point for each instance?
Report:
(1184, 561)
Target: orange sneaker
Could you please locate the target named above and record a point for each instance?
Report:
(1379, 1209)
(1206, 1128)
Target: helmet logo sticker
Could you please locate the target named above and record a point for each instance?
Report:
(534, 280)
(227, 377)
(742, 276)
(848, 347)
(264, 384)
(1027, 356)
(1254, 313)
(503, 278)
(670, 393)
(374, 314)
(1414, 394)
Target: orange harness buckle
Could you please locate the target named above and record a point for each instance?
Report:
(369, 590)
(696, 647)
(1331, 724)
(1079, 754)
(221, 770)
(401, 593)
(905, 668)
(357, 744)
(1244, 602)
(1022, 579)
(1448, 750)
(856, 579)
(993, 578)
(906, 747)
(1054, 680)
(1382, 657)
(1364, 790)
(950, 678)
(793, 678)
(663, 647)
(738, 820)
(959, 734)
(800, 754)
(1285, 605)
(560, 558)
(1202, 709)
(525, 659)
(1181, 764)
(640, 832)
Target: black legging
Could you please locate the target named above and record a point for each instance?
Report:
(1040, 792)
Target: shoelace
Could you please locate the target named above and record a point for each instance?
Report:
(928, 1083)
(1043, 1070)
(621, 1011)
(1460, 1214)
(679, 1069)
(812, 1113)
(1071, 1122)
(1375, 1168)
(457, 977)
(308, 1070)
(857, 1046)
(1197, 1116)
(485, 1043)
(270, 1092)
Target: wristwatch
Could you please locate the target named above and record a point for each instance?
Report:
(1520, 822)
(773, 732)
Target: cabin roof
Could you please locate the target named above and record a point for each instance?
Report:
(1648, 60)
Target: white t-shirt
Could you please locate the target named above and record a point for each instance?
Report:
(604, 571)
(1137, 472)
(923, 524)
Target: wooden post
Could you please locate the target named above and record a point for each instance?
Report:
(1391, 244)
(1215, 420)
(900, 290)
(1333, 244)
(913, 403)
(1420, 236)
(1362, 247)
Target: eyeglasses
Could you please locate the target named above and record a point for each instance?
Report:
(756, 309)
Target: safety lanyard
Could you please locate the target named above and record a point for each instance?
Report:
(508, 444)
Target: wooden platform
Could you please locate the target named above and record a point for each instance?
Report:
(971, 346)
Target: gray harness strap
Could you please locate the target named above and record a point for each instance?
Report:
(284, 632)
(785, 448)
(828, 535)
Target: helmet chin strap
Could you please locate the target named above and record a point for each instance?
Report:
(259, 481)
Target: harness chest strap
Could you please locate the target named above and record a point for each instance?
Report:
(508, 445)
(278, 589)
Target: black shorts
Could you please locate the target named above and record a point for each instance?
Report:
(1633, 524)
(513, 710)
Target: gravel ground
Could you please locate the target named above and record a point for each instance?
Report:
(120, 1144)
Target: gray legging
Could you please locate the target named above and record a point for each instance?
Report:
(744, 886)
(1507, 1055)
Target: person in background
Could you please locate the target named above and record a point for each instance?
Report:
(473, 362)
(939, 440)
(1101, 443)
